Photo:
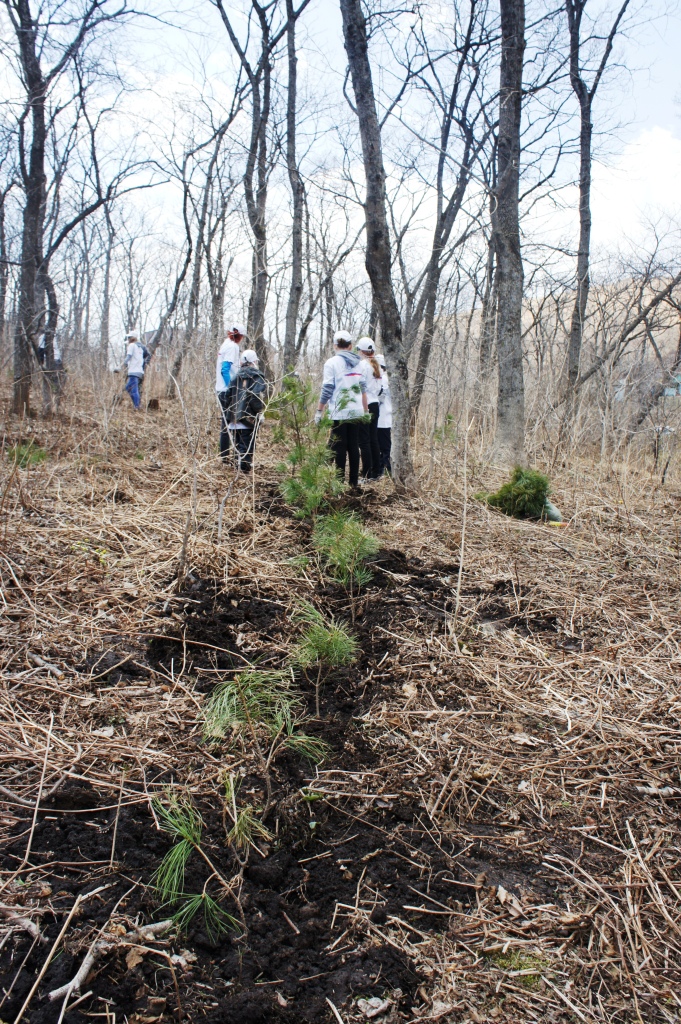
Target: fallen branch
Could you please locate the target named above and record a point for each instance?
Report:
(100, 947)
(23, 923)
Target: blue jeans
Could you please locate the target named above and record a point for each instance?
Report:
(133, 388)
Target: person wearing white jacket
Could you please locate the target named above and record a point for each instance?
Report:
(385, 419)
(368, 437)
(136, 358)
(344, 393)
(226, 369)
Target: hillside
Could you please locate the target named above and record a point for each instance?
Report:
(493, 832)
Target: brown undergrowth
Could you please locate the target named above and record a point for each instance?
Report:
(494, 832)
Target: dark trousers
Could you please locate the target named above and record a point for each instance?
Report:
(368, 444)
(236, 445)
(384, 442)
(243, 447)
(132, 386)
(344, 443)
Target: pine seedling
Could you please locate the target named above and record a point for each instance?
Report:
(309, 478)
(325, 644)
(345, 546)
(181, 819)
(251, 698)
(217, 921)
(246, 827)
(255, 700)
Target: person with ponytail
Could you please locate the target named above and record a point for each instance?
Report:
(368, 437)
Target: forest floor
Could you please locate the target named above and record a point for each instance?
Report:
(494, 833)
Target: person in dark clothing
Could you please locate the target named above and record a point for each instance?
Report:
(242, 404)
(368, 436)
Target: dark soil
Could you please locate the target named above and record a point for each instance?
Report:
(295, 955)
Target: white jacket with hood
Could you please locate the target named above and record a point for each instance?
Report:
(344, 383)
(385, 409)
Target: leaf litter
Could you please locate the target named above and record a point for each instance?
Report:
(494, 831)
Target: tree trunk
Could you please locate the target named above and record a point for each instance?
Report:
(585, 97)
(33, 175)
(510, 436)
(297, 193)
(4, 268)
(431, 286)
(51, 373)
(105, 325)
(378, 254)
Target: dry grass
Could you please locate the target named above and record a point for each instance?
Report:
(538, 730)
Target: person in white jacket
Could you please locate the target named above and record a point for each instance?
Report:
(226, 369)
(385, 419)
(344, 393)
(136, 358)
(368, 437)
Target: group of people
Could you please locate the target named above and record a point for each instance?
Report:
(355, 392)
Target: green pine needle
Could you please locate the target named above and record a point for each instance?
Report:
(246, 829)
(523, 496)
(345, 546)
(169, 878)
(251, 697)
(310, 747)
(217, 921)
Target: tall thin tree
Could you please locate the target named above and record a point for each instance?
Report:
(510, 434)
(585, 96)
(378, 251)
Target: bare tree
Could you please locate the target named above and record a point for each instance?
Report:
(585, 95)
(258, 160)
(37, 34)
(378, 250)
(510, 436)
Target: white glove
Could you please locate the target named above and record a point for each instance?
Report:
(318, 416)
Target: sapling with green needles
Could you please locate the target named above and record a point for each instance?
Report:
(181, 819)
(309, 478)
(325, 644)
(246, 827)
(345, 546)
(261, 702)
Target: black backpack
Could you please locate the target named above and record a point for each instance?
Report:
(246, 397)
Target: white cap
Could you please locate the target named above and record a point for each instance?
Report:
(237, 328)
(380, 360)
(365, 345)
(131, 336)
(342, 336)
(249, 356)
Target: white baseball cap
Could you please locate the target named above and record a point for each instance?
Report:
(365, 345)
(342, 336)
(237, 328)
(249, 356)
(131, 336)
